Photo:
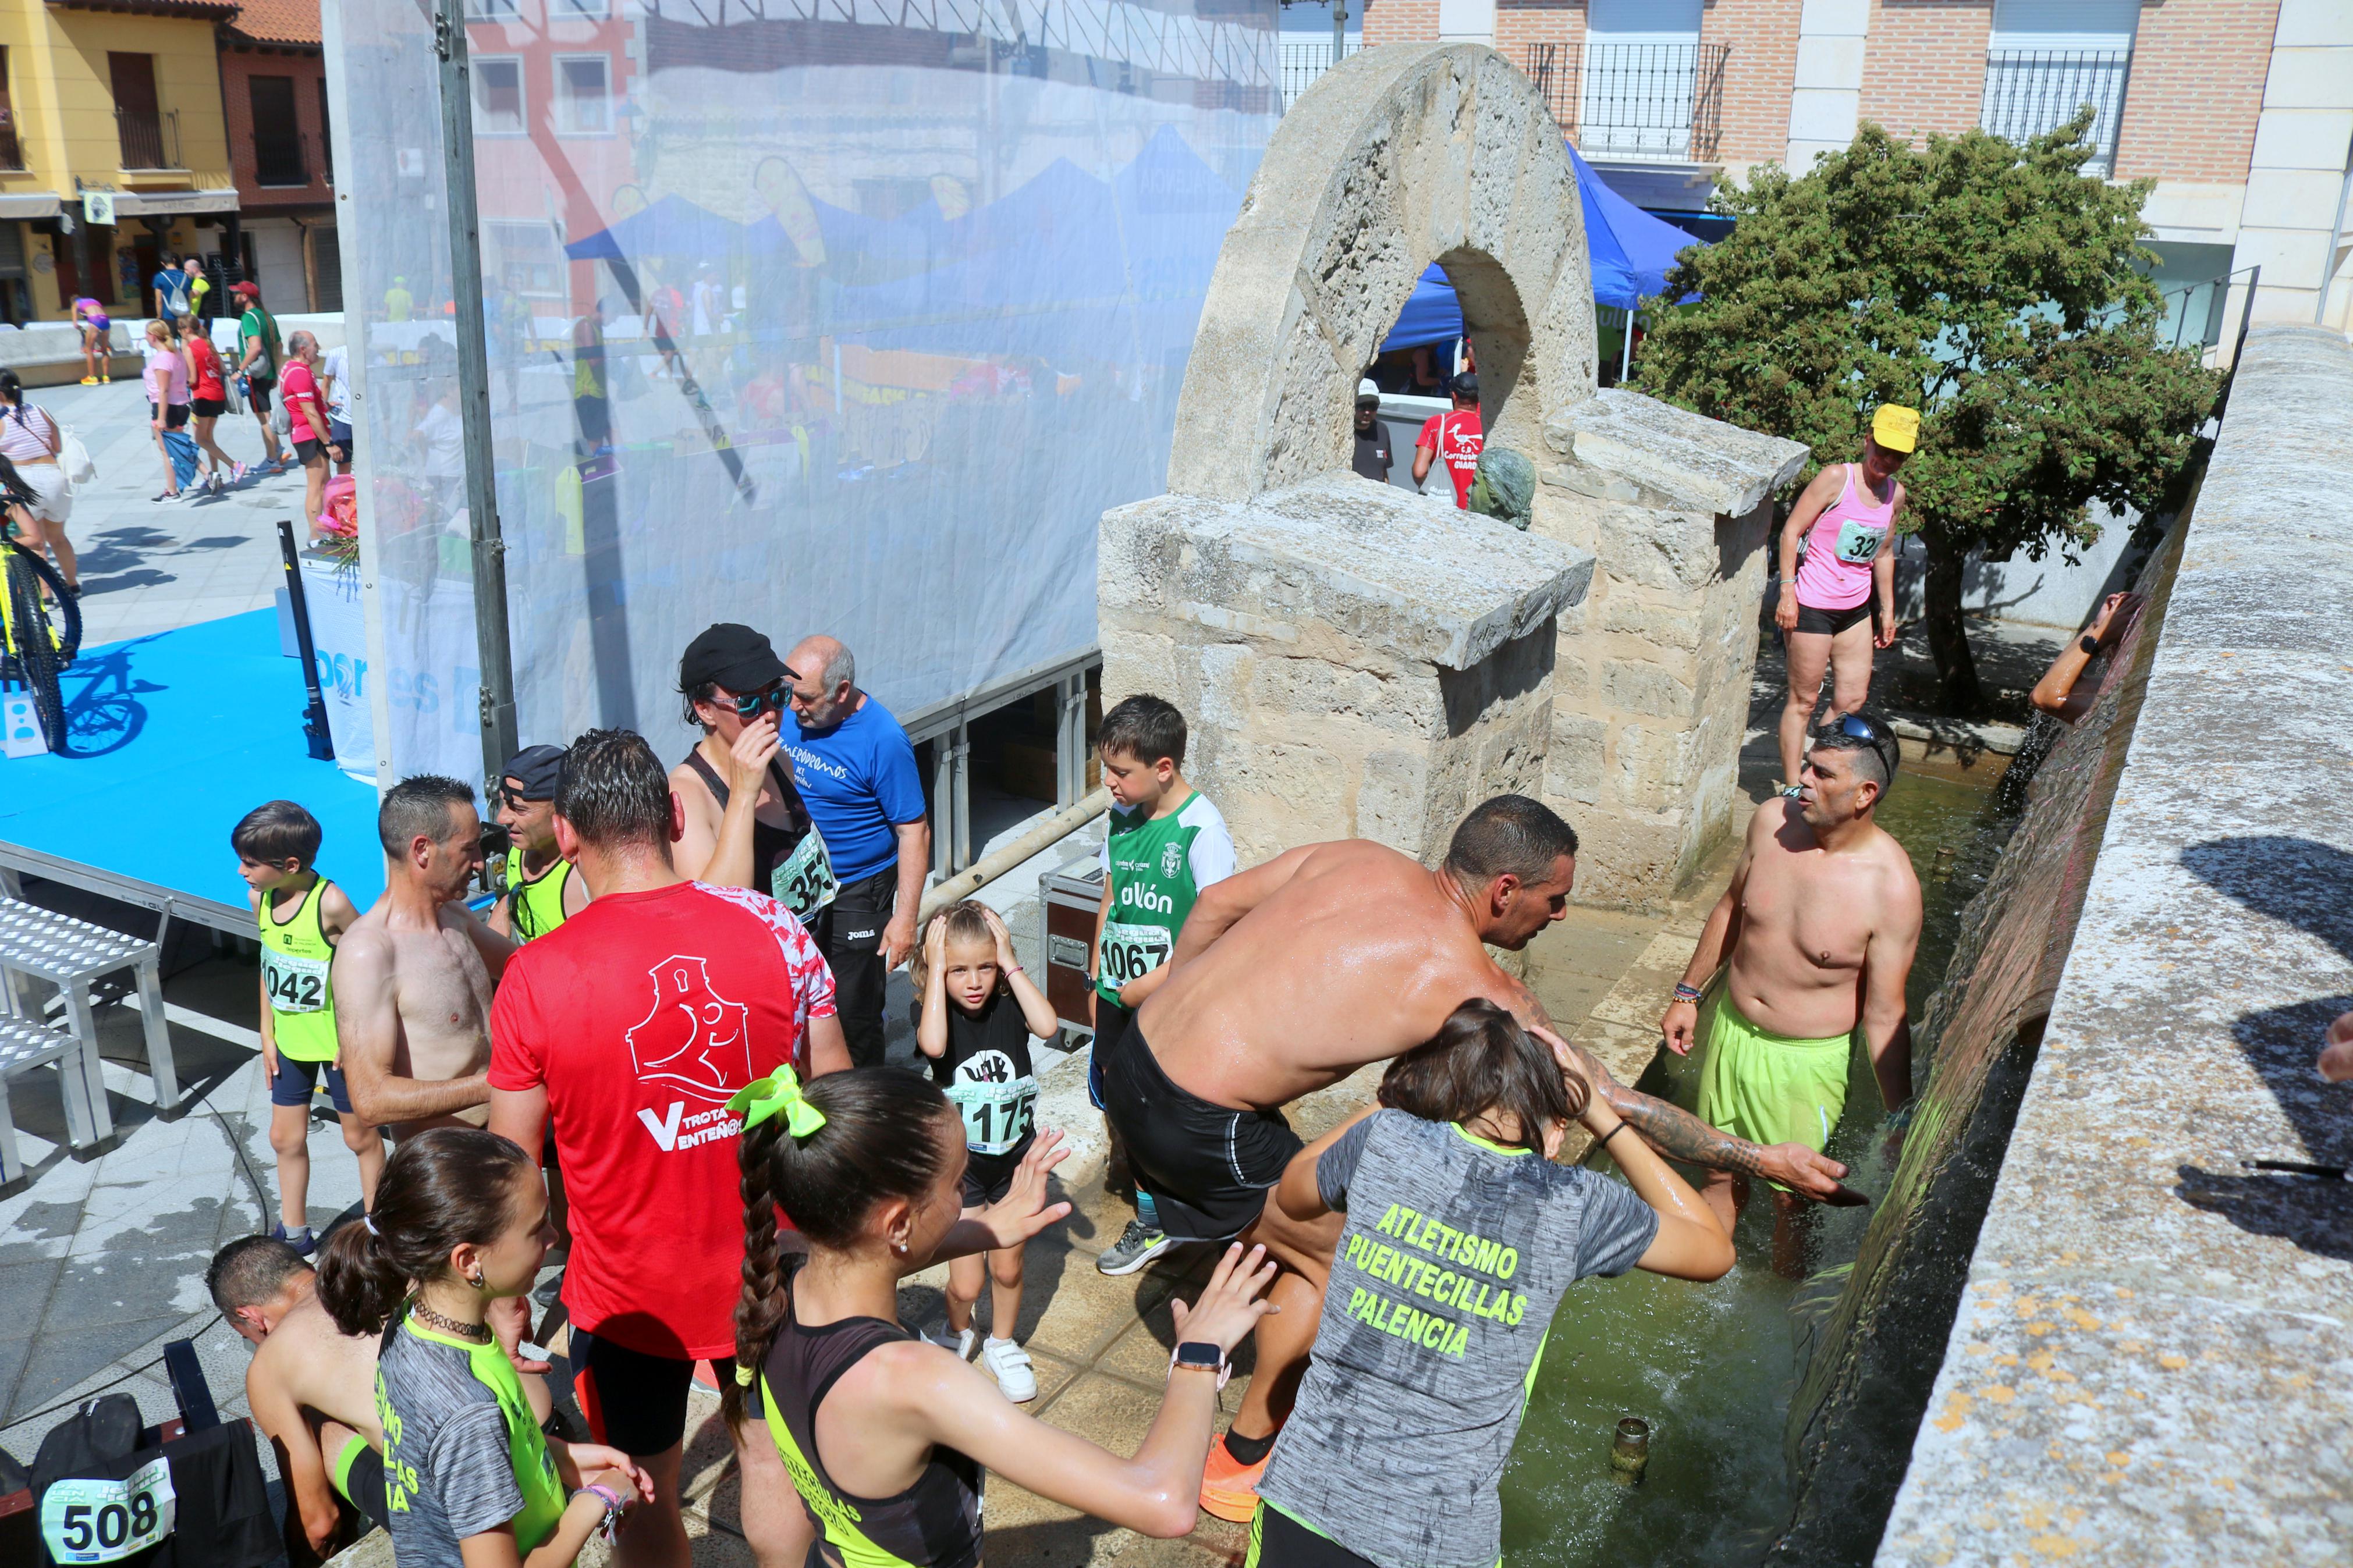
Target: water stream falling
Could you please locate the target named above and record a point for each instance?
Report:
(1760, 1455)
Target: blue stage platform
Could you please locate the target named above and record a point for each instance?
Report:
(173, 738)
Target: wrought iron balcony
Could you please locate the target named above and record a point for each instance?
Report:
(2031, 92)
(12, 153)
(150, 137)
(1648, 103)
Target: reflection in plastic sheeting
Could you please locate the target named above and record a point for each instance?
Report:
(851, 318)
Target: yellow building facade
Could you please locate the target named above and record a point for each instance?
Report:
(120, 99)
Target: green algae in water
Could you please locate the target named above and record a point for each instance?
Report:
(1710, 1366)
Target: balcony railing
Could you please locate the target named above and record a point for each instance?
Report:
(150, 137)
(1302, 62)
(1649, 104)
(2031, 92)
(12, 154)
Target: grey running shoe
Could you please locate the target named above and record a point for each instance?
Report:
(1138, 1245)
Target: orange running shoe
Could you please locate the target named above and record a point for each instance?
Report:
(1229, 1487)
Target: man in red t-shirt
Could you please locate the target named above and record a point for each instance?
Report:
(1454, 437)
(627, 1027)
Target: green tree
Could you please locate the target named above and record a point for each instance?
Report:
(1991, 285)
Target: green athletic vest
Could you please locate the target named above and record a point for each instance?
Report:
(544, 1495)
(294, 962)
(535, 908)
(1152, 892)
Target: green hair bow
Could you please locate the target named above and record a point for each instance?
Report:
(779, 1094)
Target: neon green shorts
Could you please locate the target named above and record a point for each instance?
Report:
(358, 1473)
(1769, 1087)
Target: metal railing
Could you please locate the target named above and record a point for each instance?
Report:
(1303, 63)
(12, 153)
(1652, 103)
(281, 159)
(150, 137)
(2030, 92)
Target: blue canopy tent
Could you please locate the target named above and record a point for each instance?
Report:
(1631, 253)
(671, 227)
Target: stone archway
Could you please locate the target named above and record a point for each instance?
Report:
(1420, 153)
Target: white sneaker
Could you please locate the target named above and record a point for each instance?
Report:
(1011, 1363)
(961, 1343)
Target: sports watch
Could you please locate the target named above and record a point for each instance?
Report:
(1199, 1355)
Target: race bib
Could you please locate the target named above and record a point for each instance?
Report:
(803, 881)
(999, 1108)
(296, 984)
(105, 1522)
(1859, 545)
(1132, 951)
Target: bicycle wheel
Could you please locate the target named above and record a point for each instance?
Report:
(44, 638)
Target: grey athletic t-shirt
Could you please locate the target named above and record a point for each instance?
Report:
(448, 1474)
(1455, 1256)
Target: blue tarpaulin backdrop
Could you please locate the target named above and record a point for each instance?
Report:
(1632, 252)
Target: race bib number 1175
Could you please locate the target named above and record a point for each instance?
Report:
(105, 1522)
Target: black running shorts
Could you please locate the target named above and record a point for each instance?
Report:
(1830, 623)
(634, 1401)
(1279, 1541)
(1208, 1167)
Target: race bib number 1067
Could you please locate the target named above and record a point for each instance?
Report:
(105, 1522)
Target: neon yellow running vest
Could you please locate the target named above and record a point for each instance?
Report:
(534, 907)
(294, 960)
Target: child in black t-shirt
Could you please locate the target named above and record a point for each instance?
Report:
(974, 1014)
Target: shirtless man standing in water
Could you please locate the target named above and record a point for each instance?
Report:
(1290, 976)
(413, 974)
(1819, 925)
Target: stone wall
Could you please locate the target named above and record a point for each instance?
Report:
(2149, 1366)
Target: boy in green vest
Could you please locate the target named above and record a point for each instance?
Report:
(1166, 843)
(301, 916)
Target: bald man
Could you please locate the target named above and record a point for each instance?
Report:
(855, 770)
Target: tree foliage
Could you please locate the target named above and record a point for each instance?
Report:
(1993, 286)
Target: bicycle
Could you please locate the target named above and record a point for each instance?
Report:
(39, 636)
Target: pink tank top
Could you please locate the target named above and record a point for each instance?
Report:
(1842, 545)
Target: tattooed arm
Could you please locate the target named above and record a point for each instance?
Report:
(1676, 1132)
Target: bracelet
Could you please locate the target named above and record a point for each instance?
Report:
(1603, 1141)
(1687, 993)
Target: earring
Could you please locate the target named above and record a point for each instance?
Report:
(476, 1280)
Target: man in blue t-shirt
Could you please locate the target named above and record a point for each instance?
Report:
(171, 287)
(855, 770)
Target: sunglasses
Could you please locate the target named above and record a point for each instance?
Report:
(772, 698)
(1872, 733)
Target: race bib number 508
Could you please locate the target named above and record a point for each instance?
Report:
(105, 1522)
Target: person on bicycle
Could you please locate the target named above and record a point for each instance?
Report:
(31, 439)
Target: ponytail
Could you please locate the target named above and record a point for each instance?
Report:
(879, 1138)
(443, 1187)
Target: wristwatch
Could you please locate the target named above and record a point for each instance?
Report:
(1198, 1355)
(2089, 644)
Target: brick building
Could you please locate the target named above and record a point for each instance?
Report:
(2240, 110)
(273, 87)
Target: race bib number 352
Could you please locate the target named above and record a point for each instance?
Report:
(105, 1522)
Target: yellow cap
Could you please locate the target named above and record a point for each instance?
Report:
(1896, 427)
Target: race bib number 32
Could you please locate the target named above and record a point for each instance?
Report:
(105, 1522)
(1857, 545)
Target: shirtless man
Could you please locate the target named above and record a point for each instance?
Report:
(1820, 924)
(311, 1387)
(413, 975)
(1287, 978)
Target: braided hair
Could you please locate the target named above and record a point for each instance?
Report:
(879, 1141)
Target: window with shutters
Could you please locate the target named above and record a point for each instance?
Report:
(11, 152)
(277, 135)
(137, 114)
(2047, 59)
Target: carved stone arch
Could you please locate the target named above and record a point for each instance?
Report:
(1404, 155)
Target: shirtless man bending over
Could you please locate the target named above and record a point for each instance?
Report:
(1290, 976)
(311, 1387)
(1819, 925)
(413, 975)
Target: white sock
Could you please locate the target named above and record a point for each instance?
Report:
(993, 1340)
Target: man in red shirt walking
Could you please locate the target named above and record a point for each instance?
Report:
(1454, 437)
(627, 1027)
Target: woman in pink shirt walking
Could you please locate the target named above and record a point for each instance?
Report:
(1844, 519)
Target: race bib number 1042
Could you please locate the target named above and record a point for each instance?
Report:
(105, 1522)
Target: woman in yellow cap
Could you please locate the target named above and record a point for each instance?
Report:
(1826, 613)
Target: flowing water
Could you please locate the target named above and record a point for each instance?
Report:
(1709, 1366)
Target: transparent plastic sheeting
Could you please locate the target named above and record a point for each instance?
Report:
(831, 317)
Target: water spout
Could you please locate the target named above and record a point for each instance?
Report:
(1630, 1453)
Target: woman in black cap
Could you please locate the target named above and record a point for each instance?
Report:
(745, 824)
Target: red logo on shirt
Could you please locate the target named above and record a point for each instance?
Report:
(692, 1038)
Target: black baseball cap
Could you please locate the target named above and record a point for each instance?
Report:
(534, 768)
(730, 656)
(1466, 386)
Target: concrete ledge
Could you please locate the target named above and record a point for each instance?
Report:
(48, 353)
(2150, 1364)
(1697, 463)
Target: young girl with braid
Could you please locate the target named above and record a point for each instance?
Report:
(460, 1222)
(885, 1433)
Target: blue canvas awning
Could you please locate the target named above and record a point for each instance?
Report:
(1631, 253)
(672, 226)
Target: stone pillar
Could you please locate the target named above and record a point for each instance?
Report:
(1650, 690)
(1356, 661)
